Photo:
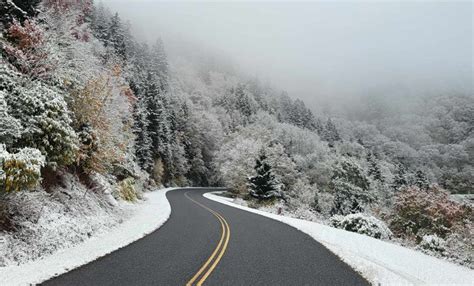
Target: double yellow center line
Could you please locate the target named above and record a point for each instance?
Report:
(211, 263)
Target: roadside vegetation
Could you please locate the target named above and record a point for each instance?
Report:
(91, 117)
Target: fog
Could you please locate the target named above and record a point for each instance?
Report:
(322, 50)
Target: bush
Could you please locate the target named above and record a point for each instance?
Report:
(43, 115)
(433, 242)
(127, 190)
(426, 211)
(20, 170)
(363, 224)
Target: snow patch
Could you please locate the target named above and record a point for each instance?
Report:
(380, 262)
(148, 216)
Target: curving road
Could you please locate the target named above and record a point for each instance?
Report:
(207, 243)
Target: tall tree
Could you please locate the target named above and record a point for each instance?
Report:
(374, 169)
(263, 185)
(399, 181)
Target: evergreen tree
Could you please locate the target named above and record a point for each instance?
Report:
(330, 133)
(100, 22)
(263, 185)
(115, 38)
(374, 170)
(143, 142)
(350, 187)
(159, 64)
(420, 180)
(399, 181)
(242, 101)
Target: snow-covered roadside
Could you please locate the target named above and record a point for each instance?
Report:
(378, 261)
(149, 216)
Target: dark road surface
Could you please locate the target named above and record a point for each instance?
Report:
(254, 250)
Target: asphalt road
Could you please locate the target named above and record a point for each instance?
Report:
(207, 243)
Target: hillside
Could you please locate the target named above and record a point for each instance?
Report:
(91, 117)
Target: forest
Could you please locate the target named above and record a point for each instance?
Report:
(92, 115)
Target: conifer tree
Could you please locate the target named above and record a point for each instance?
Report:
(115, 38)
(420, 180)
(263, 185)
(374, 170)
(330, 133)
(399, 180)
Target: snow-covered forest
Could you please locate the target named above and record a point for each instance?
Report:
(91, 117)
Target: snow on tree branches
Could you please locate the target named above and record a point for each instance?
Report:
(263, 185)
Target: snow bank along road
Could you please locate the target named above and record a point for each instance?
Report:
(205, 242)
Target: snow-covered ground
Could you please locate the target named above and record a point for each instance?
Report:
(378, 261)
(145, 217)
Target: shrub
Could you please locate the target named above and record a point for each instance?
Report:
(127, 190)
(363, 224)
(433, 242)
(20, 170)
(43, 115)
(426, 211)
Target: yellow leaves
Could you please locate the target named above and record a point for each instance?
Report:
(116, 70)
(18, 176)
(127, 190)
(97, 109)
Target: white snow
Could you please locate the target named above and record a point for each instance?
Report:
(380, 262)
(149, 216)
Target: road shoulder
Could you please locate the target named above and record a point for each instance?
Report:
(377, 261)
(150, 215)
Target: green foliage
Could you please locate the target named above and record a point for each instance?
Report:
(263, 185)
(350, 188)
(44, 116)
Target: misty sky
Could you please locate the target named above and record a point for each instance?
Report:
(323, 49)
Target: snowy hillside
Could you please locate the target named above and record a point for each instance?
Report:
(93, 117)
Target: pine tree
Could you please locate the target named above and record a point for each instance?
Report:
(420, 180)
(399, 181)
(115, 37)
(242, 101)
(159, 63)
(330, 133)
(100, 22)
(374, 170)
(143, 142)
(350, 187)
(263, 185)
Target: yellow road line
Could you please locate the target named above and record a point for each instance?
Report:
(209, 271)
(224, 236)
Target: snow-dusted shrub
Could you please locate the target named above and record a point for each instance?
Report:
(21, 170)
(433, 242)
(459, 245)
(363, 224)
(127, 190)
(47, 222)
(43, 115)
(10, 127)
(426, 211)
(26, 48)
(323, 203)
(350, 187)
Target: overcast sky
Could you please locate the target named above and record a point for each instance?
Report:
(324, 49)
